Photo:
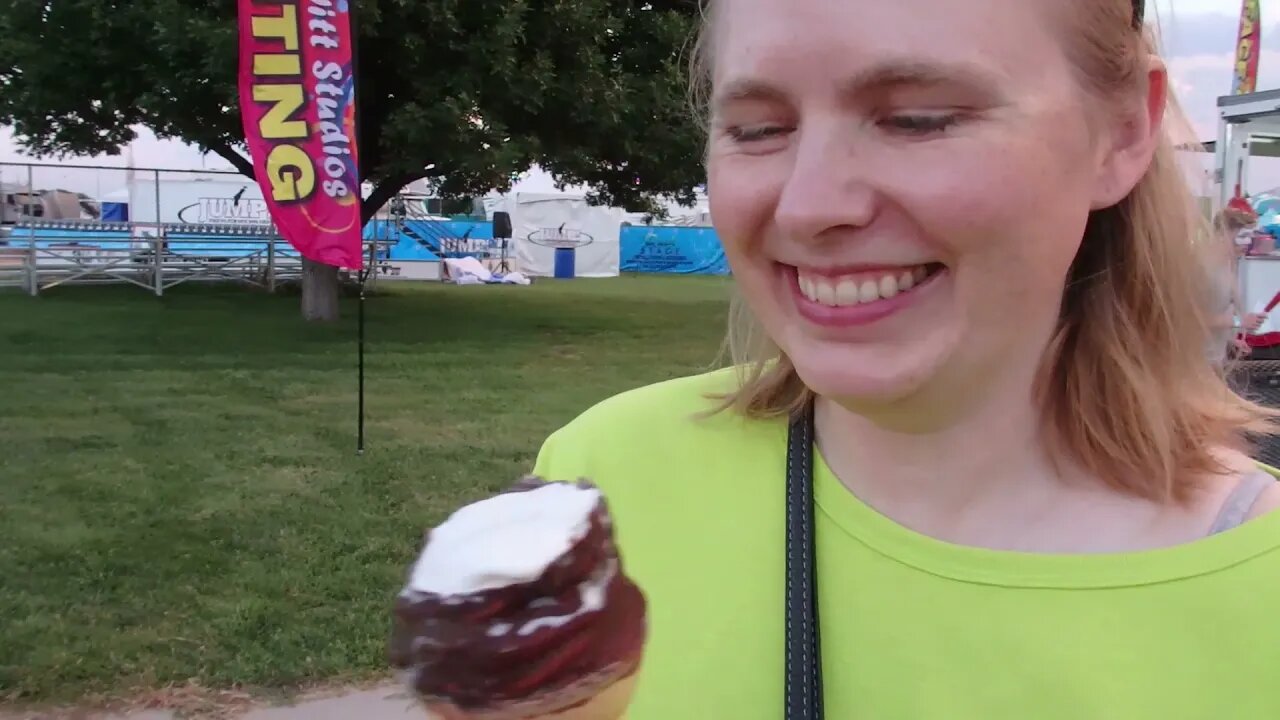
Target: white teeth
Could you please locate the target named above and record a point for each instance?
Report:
(826, 293)
(846, 291)
(888, 286)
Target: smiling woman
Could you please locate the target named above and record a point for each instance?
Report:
(971, 273)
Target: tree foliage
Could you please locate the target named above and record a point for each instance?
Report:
(468, 93)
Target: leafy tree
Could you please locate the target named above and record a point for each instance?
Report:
(467, 93)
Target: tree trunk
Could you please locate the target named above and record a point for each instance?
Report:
(319, 292)
(241, 163)
(319, 281)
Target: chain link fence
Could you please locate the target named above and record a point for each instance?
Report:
(154, 228)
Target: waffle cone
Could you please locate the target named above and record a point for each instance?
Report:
(610, 703)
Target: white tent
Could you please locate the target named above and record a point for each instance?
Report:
(217, 199)
(543, 223)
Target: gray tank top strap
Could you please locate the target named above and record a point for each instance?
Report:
(1241, 501)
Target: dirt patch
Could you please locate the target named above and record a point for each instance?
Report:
(194, 702)
(185, 701)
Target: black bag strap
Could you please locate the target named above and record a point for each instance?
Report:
(803, 651)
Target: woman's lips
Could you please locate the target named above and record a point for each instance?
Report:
(582, 618)
(845, 300)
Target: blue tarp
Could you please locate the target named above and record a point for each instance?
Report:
(460, 228)
(197, 244)
(47, 237)
(682, 250)
(408, 248)
(226, 246)
(643, 249)
(115, 212)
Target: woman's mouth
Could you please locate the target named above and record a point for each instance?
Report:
(857, 297)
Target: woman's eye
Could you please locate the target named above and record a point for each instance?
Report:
(920, 124)
(755, 133)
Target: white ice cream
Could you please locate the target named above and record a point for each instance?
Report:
(591, 594)
(505, 540)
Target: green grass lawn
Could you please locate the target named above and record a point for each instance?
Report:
(179, 489)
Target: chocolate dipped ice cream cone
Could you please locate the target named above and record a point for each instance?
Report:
(518, 608)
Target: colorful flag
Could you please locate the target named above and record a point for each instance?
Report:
(1249, 43)
(297, 100)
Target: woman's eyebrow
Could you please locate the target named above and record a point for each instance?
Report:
(746, 89)
(884, 76)
(915, 73)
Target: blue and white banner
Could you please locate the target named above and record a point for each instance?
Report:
(680, 250)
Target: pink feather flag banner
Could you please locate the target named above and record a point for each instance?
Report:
(297, 101)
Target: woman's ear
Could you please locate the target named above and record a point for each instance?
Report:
(1132, 137)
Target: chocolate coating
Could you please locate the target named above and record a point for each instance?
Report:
(582, 617)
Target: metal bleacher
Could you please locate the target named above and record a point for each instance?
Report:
(39, 256)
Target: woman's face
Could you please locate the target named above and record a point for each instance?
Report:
(901, 186)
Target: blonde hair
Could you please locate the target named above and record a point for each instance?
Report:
(1126, 389)
(1234, 220)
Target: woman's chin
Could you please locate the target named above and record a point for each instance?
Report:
(855, 379)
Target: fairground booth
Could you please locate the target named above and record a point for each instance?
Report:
(1249, 136)
(1249, 131)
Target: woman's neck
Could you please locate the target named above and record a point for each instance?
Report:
(989, 480)
(994, 452)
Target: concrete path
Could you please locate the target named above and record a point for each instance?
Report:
(387, 703)
(384, 703)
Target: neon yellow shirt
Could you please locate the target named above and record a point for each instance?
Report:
(912, 627)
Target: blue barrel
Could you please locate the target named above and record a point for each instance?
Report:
(565, 262)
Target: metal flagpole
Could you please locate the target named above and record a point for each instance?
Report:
(363, 274)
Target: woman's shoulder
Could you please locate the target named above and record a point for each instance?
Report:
(1268, 501)
(659, 409)
(657, 426)
(1247, 480)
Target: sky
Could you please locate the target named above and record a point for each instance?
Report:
(1198, 41)
(1198, 38)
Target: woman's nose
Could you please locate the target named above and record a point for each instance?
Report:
(829, 188)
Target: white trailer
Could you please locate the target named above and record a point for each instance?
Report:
(1248, 128)
(213, 200)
